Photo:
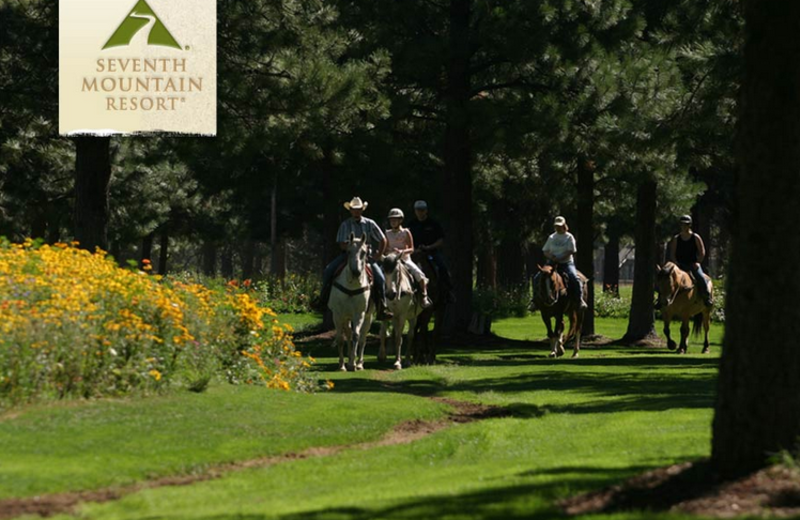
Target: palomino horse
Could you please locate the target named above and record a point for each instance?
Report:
(350, 304)
(550, 297)
(679, 298)
(402, 303)
(423, 350)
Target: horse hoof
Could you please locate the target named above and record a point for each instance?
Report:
(342, 368)
(574, 355)
(672, 345)
(398, 365)
(360, 366)
(705, 350)
(553, 354)
(350, 367)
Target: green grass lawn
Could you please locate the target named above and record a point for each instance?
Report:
(574, 425)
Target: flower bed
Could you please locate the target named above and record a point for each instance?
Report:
(74, 324)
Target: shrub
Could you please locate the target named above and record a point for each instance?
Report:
(74, 324)
(291, 294)
(502, 303)
(609, 305)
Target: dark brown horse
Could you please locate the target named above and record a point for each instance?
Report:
(678, 297)
(550, 297)
(423, 350)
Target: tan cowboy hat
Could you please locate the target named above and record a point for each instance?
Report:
(560, 221)
(356, 203)
(396, 213)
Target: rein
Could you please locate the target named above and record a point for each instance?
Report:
(351, 292)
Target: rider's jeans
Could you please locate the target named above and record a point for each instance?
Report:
(572, 277)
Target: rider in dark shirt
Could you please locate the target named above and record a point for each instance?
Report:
(429, 237)
(687, 250)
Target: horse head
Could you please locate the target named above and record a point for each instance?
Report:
(667, 283)
(391, 267)
(549, 285)
(356, 256)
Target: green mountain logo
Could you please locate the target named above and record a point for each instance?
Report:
(142, 17)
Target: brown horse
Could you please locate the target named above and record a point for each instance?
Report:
(423, 350)
(678, 297)
(550, 297)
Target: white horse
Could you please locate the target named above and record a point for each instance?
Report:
(404, 307)
(350, 304)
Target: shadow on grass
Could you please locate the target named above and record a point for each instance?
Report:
(529, 501)
(645, 390)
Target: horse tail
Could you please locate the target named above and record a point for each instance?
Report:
(697, 324)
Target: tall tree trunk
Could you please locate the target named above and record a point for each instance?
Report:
(248, 257)
(38, 223)
(53, 226)
(611, 264)
(585, 238)
(487, 267)
(641, 324)
(226, 262)
(758, 404)
(330, 222)
(146, 251)
(163, 253)
(457, 167)
(209, 258)
(510, 263)
(92, 176)
(258, 260)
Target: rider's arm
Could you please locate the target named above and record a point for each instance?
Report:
(436, 245)
(701, 248)
(673, 247)
(409, 243)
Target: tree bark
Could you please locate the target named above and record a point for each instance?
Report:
(92, 177)
(641, 324)
(226, 264)
(163, 253)
(209, 258)
(457, 167)
(248, 258)
(758, 404)
(146, 251)
(611, 264)
(585, 238)
(510, 263)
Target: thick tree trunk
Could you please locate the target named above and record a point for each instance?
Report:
(330, 222)
(486, 269)
(641, 324)
(510, 263)
(163, 253)
(248, 257)
(758, 405)
(457, 167)
(92, 176)
(585, 237)
(146, 250)
(209, 258)
(611, 264)
(226, 262)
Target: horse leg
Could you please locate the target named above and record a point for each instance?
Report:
(684, 346)
(559, 335)
(578, 325)
(412, 326)
(550, 335)
(706, 326)
(382, 351)
(338, 340)
(363, 331)
(670, 342)
(397, 323)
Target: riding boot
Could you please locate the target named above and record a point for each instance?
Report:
(581, 302)
(706, 293)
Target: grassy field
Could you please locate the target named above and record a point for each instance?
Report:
(571, 426)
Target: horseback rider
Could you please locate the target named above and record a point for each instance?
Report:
(429, 237)
(686, 249)
(402, 242)
(559, 248)
(360, 226)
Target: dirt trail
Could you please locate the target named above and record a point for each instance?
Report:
(403, 433)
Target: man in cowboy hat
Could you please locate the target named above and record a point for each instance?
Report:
(360, 226)
(686, 249)
(559, 249)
